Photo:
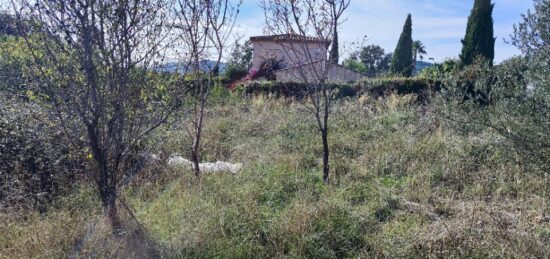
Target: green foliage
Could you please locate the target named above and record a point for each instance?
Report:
(441, 71)
(473, 83)
(355, 65)
(402, 60)
(370, 60)
(36, 162)
(525, 113)
(375, 87)
(292, 90)
(513, 78)
(239, 62)
(17, 74)
(400, 85)
(514, 103)
(267, 70)
(479, 39)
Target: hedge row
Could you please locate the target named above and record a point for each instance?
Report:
(373, 87)
(292, 90)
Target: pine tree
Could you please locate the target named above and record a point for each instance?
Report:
(479, 39)
(402, 61)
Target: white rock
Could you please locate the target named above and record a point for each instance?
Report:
(218, 167)
(178, 161)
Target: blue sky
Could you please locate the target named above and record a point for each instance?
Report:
(440, 24)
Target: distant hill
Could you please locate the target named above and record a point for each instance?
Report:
(421, 65)
(183, 67)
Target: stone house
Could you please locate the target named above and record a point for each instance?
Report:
(299, 58)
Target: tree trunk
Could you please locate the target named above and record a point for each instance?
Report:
(326, 171)
(107, 189)
(111, 211)
(197, 141)
(195, 158)
(545, 208)
(106, 181)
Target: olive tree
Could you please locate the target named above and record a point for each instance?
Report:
(512, 100)
(529, 117)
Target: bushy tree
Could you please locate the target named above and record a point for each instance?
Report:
(479, 39)
(519, 97)
(373, 57)
(402, 60)
(239, 62)
(15, 72)
(530, 120)
(371, 60)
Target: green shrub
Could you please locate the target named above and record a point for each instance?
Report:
(440, 72)
(473, 83)
(36, 162)
(373, 87)
(294, 90)
(422, 87)
(235, 73)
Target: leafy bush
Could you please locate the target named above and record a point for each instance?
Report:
(36, 162)
(383, 86)
(441, 71)
(475, 82)
(16, 74)
(239, 62)
(483, 83)
(371, 87)
(355, 65)
(294, 90)
(235, 73)
(267, 70)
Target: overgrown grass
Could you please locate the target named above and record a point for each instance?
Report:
(404, 184)
(50, 235)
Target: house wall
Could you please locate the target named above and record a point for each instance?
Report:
(341, 74)
(289, 53)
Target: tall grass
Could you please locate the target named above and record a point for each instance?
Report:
(405, 184)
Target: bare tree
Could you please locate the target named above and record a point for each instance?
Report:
(97, 64)
(304, 22)
(337, 8)
(203, 28)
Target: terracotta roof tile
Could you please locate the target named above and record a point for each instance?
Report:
(288, 37)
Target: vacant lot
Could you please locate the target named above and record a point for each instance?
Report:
(405, 182)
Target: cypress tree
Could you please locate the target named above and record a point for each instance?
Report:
(479, 39)
(402, 60)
